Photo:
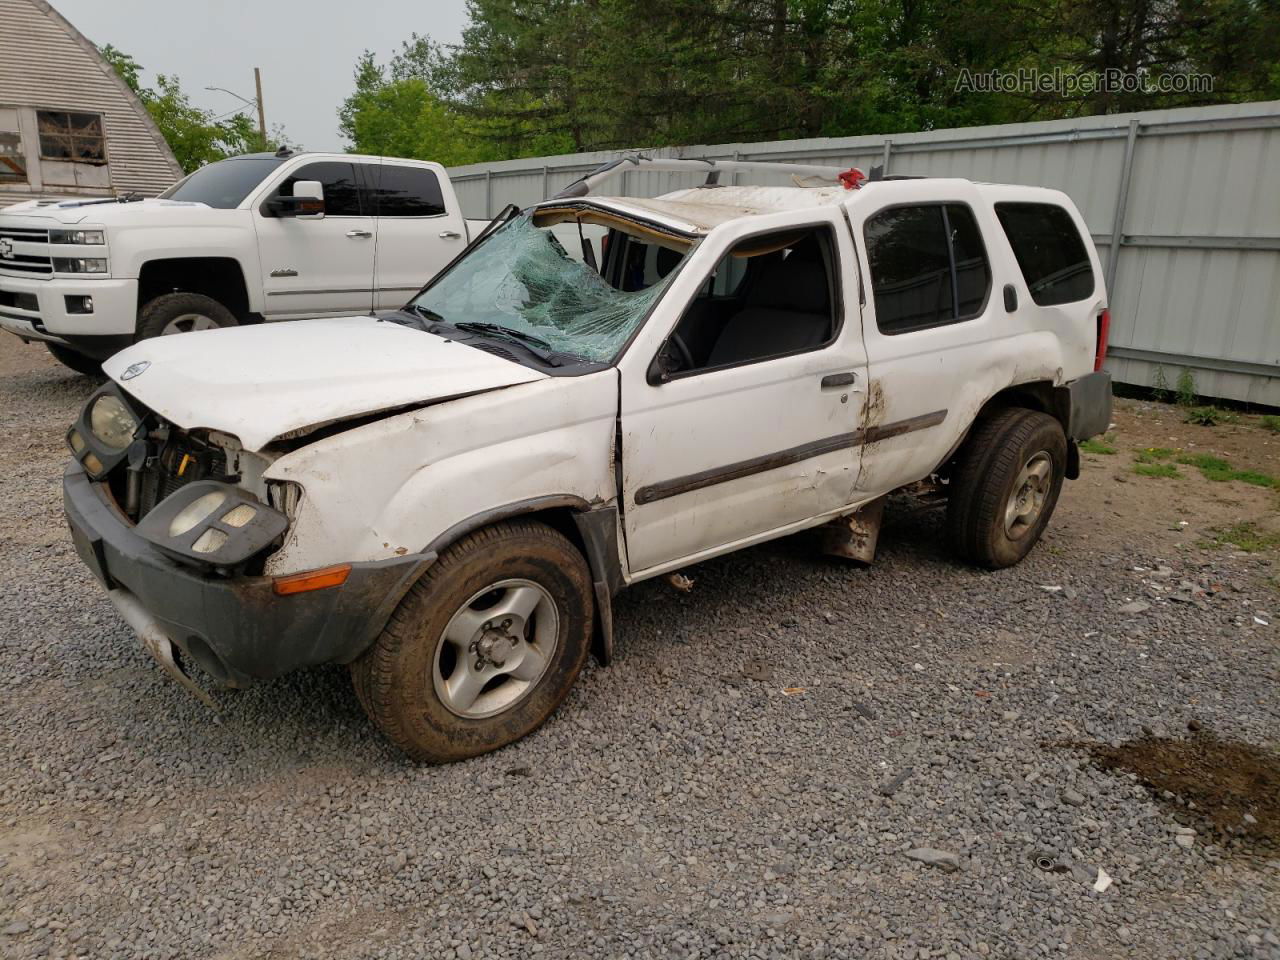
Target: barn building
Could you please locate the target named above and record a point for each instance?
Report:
(69, 126)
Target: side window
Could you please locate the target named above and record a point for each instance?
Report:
(769, 296)
(341, 194)
(404, 191)
(71, 136)
(973, 272)
(928, 266)
(1049, 251)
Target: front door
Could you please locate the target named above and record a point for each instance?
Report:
(324, 267)
(753, 429)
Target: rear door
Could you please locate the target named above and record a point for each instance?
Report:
(324, 267)
(935, 333)
(419, 226)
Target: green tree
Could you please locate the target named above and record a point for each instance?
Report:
(549, 76)
(195, 136)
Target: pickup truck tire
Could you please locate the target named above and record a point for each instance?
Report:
(172, 313)
(514, 600)
(76, 361)
(1005, 486)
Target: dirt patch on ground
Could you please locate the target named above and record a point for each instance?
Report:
(1234, 786)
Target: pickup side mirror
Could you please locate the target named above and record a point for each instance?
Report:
(307, 202)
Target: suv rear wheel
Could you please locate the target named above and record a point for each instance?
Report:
(1005, 486)
(485, 645)
(182, 313)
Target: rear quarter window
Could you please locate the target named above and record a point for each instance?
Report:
(1050, 252)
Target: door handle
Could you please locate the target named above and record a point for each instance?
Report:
(359, 234)
(839, 380)
(449, 235)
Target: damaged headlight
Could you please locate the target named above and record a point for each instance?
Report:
(111, 422)
(104, 432)
(208, 523)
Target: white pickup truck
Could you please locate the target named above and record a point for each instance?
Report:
(259, 237)
(447, 497)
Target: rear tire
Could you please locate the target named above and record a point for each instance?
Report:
(484, 646)
(76, 361)
(173, 313)
(1005, 486)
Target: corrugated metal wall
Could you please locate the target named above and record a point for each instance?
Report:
(46, 63)
(1191, 196)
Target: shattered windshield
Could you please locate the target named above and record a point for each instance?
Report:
(524, 278)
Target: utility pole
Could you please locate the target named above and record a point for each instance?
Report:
(262, 115)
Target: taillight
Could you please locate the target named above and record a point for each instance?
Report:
(1104, 331)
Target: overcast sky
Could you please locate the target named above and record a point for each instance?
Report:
(307, 49)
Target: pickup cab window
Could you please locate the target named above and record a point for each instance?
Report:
(398, 191)
(225, 184)
(523, 279)
(341, 192)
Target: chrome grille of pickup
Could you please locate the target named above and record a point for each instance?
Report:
(24, 234)
(23, 264)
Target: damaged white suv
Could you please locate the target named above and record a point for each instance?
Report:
(598, 391)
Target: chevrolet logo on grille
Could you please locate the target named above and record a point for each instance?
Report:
(6, 248)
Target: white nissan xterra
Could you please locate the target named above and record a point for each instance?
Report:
(259, 237)
(600, 390)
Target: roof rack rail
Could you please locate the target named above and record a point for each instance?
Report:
(713, 168)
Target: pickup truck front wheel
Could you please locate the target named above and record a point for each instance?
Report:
(1005, 486)
(182, 313)
(75, 360)
(485, 645)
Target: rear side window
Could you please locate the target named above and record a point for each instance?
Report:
(1049, 250)
(341, 194)
(928, 266)
(404, 191)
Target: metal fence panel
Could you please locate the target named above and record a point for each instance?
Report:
(1197, 271)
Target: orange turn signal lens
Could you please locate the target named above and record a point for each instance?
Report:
(312, 580)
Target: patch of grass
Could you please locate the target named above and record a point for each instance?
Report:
(1155, 470)
(1218, 470)
(1094, 445)
(1255, 477)
(1270, 422)
(1213, 468)
(1209, 416)
(1154, 454)
(1247, 537)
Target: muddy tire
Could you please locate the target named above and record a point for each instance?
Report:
(484, 647)
(1005, 485)
(74, 360)
(173, 313)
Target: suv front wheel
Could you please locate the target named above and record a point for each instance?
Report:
(182, 313)
(1005, 486)
(484, 646)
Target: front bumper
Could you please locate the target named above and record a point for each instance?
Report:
(237, 628)
(115, 308)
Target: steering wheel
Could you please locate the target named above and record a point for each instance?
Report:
(686, 357)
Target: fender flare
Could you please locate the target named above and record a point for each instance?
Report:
(597, 526)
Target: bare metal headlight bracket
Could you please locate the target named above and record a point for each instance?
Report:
(211, 524)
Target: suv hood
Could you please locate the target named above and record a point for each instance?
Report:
(96, 210)
(258, 383)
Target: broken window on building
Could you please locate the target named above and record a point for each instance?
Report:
(71, 136)
(13, 162)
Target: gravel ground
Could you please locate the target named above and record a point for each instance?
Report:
(718, 792)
